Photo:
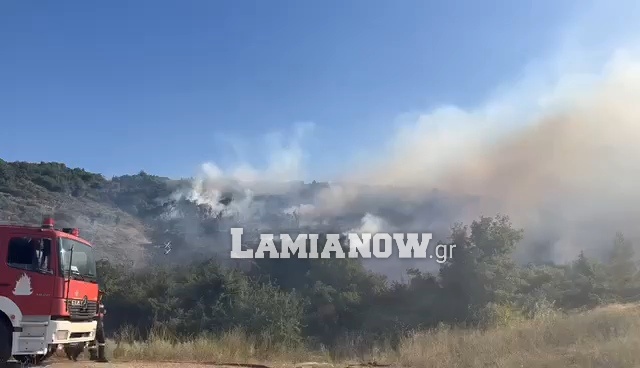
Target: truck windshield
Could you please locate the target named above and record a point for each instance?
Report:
(83, 262)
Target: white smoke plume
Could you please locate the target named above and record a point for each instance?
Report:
(244, 181)
(556, 150)
(370, 224)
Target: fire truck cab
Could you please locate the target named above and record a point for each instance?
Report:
(48, 290)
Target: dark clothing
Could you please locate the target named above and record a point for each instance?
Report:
(99, 343)
(101, 311)
(97, 346)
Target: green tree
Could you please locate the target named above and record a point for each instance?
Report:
(585, 284)
(482, 270)
(622, 267)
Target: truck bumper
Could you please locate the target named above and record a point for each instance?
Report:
(38, 335)
(66, 332)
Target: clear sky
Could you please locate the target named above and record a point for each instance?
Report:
(121, 86)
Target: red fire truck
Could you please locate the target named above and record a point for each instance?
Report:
(48, 290)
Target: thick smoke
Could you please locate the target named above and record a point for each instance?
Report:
(568, 176)
(556, 151)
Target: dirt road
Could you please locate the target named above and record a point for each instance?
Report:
(89, 364)
(60, 363)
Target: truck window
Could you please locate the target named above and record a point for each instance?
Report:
(82, 262)
(32, 254)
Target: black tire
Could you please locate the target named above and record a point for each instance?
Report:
(68, 351)
(30, 359)
(73, 351)
(6, 335)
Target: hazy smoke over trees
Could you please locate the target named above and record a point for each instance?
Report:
(556, 150)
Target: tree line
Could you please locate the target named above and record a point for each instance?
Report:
(323, 301)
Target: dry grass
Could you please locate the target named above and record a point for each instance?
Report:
(232, 347)
(607, 337)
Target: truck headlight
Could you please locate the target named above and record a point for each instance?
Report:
(62, 335)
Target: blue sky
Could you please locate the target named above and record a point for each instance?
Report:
(119, 86)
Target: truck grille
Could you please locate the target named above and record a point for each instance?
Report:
(78, 313)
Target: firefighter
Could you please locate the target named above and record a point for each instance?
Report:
(99, 342)
(97, 346)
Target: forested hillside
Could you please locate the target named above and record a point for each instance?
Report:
(313, 302)
(111, 213)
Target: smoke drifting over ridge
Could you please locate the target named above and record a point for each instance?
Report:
(568, 175)
(556, 151)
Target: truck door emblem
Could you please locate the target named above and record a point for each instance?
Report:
(23, 286)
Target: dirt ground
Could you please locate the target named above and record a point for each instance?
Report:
(65, 363)
(59, 363)
(59, 360)
(89, 364)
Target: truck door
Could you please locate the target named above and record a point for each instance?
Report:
(28, 271)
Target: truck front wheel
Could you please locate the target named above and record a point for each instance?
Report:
(30, 359)
(6, 335)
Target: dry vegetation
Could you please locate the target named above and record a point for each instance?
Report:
(605, 337)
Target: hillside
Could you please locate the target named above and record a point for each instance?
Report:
(130, 217)
(108, 212)
(329, 305)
